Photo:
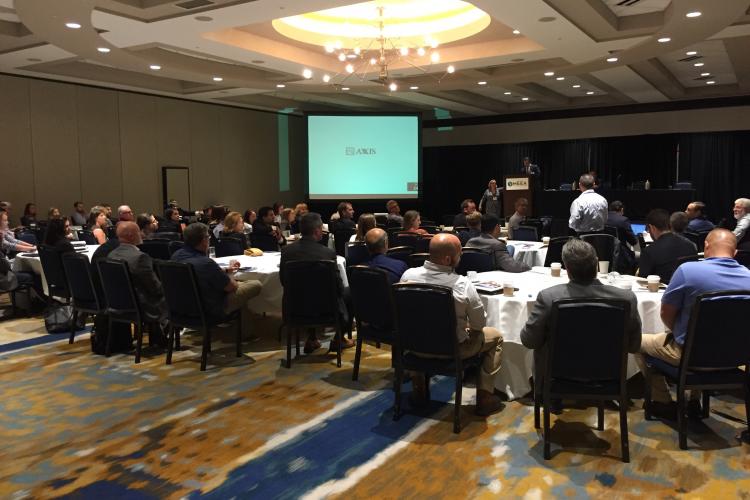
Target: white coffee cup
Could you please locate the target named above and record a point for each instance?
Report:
(653, 282)
(545, 240)
(508, 288)
(472, 275)
(555, 269)
(604, 266)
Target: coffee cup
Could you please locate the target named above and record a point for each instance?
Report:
(545, 240)
(652, 281)
(555, 269)
(604, 266)
(508, 288)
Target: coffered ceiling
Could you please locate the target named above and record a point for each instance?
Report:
(226, 51)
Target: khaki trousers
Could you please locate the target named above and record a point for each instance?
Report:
(489, 343)
(661, 346)
(238, 299)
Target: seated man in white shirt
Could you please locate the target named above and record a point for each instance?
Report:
(473, 336)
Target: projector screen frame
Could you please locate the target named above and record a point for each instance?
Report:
(363, 198)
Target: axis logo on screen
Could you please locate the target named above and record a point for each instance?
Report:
(351, 151)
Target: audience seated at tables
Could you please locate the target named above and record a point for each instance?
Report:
(393, 218)
(11, 280)
(78, 216)
(148, 225)
(278, 207)
(125, 213)
(741, 213)
(9, 242)
(306, 249)
(249, 218)
(58, 235)
(377, 245)
(661, 256)
(343, 218)
(522, 211)
(468, 206)
(364, 224)
(718, 271)
(173, 222)
(582, 265)
(53, 213)
(217, 214)
(234, 227)
(29, 215)
(221, 293)
(111, 219)
(287, 219)
(148, 289)
(474, 224)
(445, 253)
(488, 241)
(412, 221)
(97, 223)
(300, 210)
(696, 212)
(616, 218)
(264, 225)
(588, 212)
(678, 221)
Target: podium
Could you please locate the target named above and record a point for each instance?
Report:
(517, 186)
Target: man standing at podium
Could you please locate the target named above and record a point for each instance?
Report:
(535, 182)
(531, 168)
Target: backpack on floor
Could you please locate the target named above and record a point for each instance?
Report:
(122, 340)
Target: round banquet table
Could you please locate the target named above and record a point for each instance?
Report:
(509, 315)
(30, 263)
(531, 253)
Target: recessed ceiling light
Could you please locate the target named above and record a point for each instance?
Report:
(393, 87)
(507, 93)
(590, 92)
(524, 98)
(516, 32)
(698, 65)
(611, 59)
(218, 79)
(549, 73)
(344, 88)
(664, 39)
(103, 50)
(155, 67)
(693, 14)
(706, 74)
(710, 82)
(280, 85)
(482, 83)
(435, 57)
(349, 69)
(576, 86)
(73, 26)
(450, 69)
(420, 51)
(307, 73)
(691, 53)
(204, 19)
(560, 78)
(326, 78)
(414, 87)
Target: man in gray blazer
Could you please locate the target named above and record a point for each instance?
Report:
(488, 241)
(581, 264)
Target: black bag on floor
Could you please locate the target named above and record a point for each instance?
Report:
(57, 318)
(122, 340)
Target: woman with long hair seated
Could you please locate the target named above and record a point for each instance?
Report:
(173, 222)
(300, 210)
(412, 221)
(58, 235)
(234, 227)
(364, 224)
(148, 225)
(97, 223)
(53, 213)
(29, 215)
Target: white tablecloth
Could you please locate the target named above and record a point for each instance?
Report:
(24, 262)
(266, 270)
(531, 253)
(509, 314)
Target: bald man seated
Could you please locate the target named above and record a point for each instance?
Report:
(377, 244)
(718, 271)
(474, 337)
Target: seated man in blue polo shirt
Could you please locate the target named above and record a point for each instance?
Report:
(719, 271)
(377, 244)
(220, 292)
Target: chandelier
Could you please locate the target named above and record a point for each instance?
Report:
(371, 40)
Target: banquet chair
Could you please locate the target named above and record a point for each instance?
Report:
(373, 309)
(400, 253)
(265, 242)
(525, 233)
(226, 247)
(743, 257)
(340, 238)
(156, 249)
(87, 236)
(423, 244)
(404, 240)
(83, 294)
(54, 273)
(474, 259)
(604, 244)
(174, 246)
(426, 323)
(698, 238)
(602, 343)
(417, 259)
(167, 235)
(711, 356)
(122, 304)
(356, 253)
(27, 236)
(511, 250)
(554, 251)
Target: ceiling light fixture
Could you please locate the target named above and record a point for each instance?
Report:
(280, 85)
(393, 87)
(698, 65)
(326, 78)
(611, 59)
(710, 82)
(155, 67)
(549, 73)
(507, 93)
(664, 39)
(590, 92)
(516, 32)
(103, 50)
(73, 26)
(218, 79)
(524, 98)
(693, 14)
(307, 73)
(450, 69)
(691, 53)
(560, 78)
(576, 86)
(344, 88)
(413, 87)
(705, 74)
(482, 83)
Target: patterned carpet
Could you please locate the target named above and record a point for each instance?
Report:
(84, 426)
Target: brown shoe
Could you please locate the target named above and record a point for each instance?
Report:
(346, 343)
(488, 403)
(311, 345)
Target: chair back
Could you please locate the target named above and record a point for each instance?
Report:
(417, 259)
(604, 244)
(554, 250)
(118, 290)
(167, 235)
(404, 240)
(324, 239)
(599, 340)
(87, 236)
(81, 283)
(381, 219)
(27, 236)
(54, 273)
(423, 244)
(707, 346)
(182, 294)
(743, 257)
(356, 253)
(226, 247)
(611, 230)
(156, 249)
(559, 227)
(392, 223)
(340, 238)
(265, 242)
(400, 253)
(174, 246)
(310, 292)
(698, 238)
(373, 302)
(473, 259)
(525, 233)
(425, 319)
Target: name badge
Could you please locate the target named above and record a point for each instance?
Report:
(494, 198)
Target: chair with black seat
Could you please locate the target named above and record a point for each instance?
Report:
(602, 343)
(426, 323)
(698, 238)
(417, 259)
(87, 236)
(25, 288)
(167, 235)
(611, 230)
(340, 238)
(310, 300)
(356, 253)
(404, 240)
(474, 259)
(156, 249)
(54, 273)
(743, 257)
(27, 235)
(604, 244)
(226, 247)
(554, 251)
(423, 244)
(83, 293)
(381, 219)
(265, 242)
(393, 223)
(393, 231)
(558, 228)
(122, 304)
(373, 308)
(400, 253)
(525, 233)
(185, 309)
(538, 224)
(711, 356)
(174, 246)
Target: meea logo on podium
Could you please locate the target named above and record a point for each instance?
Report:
(517, 183)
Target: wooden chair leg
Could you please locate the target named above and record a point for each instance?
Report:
(296, 342)
(239, 335)
(340, 340)
(457, 405)
(647, 396)
(177, 338)
(600, 416)
(73, 320)
(706, 404)
(537, 401)
(206, 348)
(545, 410)
(397, 393)
(624, 443)
(170, 343)
(357, 357)
(681, 418)
(108, 348)
(138, 341)
(288, 346)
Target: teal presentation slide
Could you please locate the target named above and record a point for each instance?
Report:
(357, 157)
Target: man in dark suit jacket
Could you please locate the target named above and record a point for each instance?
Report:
(616, 218)
(377, 244)
(345, 219)
(306, 249)
(489, 242)
(660, 257)
(529, 168)
(468, 206)
(474, 223)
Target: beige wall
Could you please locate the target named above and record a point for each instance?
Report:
(62, 142)
(697, 120)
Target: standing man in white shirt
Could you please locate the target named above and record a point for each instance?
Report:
(588, 212)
